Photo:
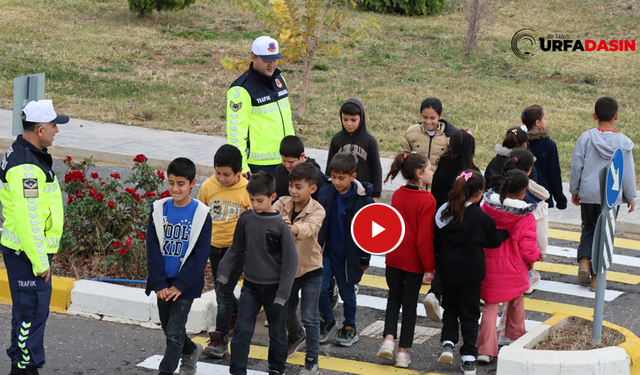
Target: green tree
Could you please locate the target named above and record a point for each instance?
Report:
(302, 28)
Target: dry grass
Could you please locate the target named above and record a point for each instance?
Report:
(105, 64)
(576, 335)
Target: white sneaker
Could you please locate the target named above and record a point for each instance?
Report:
(432, 308)
(403, 360)
(504, 341)
(484, 358)
(386, 349)
(533, 282)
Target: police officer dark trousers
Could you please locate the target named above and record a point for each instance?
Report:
(34, 219)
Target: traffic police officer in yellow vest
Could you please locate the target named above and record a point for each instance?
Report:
(32, 208)
(258, 109)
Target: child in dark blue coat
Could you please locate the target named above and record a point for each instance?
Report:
(341, 257)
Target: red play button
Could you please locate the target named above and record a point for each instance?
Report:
(377, 228)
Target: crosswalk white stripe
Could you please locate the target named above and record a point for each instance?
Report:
(575, 290)
(571, 253)
(379, 303)
(204, 368)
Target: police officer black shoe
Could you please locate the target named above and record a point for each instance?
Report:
(15, 370)
(32, 371)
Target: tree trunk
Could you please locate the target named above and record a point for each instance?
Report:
(305, 83)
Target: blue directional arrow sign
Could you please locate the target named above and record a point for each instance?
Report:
(614, 178)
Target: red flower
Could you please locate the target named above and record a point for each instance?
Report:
(68, 159)
(140, 158)
(149, 194)
(74, 176)
(79, 194)
(89, 187)
(165, 194)
(161, 175)
(99, 197)
(128, 241)
(117, 244)
(111, 205)
(142, 237)
(95, 175)
(115, 175)
(70, 199)
(123, 251)
(136, 196)
(130, 190)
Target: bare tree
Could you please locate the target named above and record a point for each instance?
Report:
(480, 19)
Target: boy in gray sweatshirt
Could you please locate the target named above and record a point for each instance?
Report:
(593, 152)
(269, 270)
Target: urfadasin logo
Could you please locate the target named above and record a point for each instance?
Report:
(523, 43)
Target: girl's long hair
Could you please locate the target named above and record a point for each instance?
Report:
(461, 149)
(407, 164)
(466, 185)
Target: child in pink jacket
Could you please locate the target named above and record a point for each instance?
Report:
(507, 276)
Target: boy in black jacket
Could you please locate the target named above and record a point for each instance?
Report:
(178, 236)
(341, 257)
(292, 154)
(355, 140)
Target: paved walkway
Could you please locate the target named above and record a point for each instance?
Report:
(118, 144)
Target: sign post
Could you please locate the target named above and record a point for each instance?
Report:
(602, 248)
(25, 89)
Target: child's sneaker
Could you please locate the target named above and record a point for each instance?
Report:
(218, 345)
(533, 282)
(347, 336)
(386, 349)
(468, 367)
(189, 363)
(432, 308)
(310, 367)
(486, 359)
(327, 329)
(295, 344)
(446, 357)
(403, 360)
(504, 341)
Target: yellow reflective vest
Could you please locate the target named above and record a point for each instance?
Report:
(258, 117)
(32, 203)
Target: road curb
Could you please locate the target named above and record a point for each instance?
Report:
(518, 358)
(60, 294)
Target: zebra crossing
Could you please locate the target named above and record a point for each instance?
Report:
(555, 292)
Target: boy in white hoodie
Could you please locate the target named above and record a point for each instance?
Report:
(593, 152)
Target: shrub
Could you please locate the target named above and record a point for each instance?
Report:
(106, 222)
(408, 7)
(147, 6)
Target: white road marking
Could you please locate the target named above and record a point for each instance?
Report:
(421, 335)
(624, 260)
(204, 368)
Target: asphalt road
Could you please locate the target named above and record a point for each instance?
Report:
(81, 346)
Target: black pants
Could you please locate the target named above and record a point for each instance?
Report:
(590, 213)
(461, 301)
(436, 285)
(404, 290)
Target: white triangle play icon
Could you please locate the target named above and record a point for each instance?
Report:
(376, 229)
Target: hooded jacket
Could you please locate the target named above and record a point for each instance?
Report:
(593, 152)
(258, 117)
(364, 146)
(416, 139)
(308, 222)
(225, 206)
(354, 257)
(459, 247)
(548, 166)
(507, 276)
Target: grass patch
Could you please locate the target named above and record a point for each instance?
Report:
(577, 335)
(103, 63)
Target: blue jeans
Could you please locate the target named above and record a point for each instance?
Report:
(271, 169)
(310, 284)
(173, 318)
(253, 297)
(227, 302)
(31, 297)
(335, 267)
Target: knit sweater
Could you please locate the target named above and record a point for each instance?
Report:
(415, 253)
(271, 252)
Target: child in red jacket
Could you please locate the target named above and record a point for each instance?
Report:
(507, 275)
(407, 264)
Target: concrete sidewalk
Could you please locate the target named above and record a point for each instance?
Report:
(118, 144)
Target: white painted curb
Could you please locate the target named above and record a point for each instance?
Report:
(519, 358)
(121, 304)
